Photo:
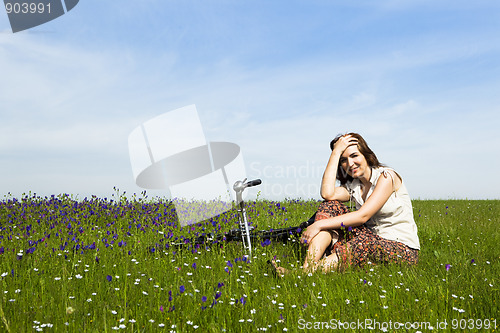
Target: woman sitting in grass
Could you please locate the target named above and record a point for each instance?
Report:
(380, 230)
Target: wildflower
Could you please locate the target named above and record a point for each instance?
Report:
(182, 289)
(265, 243)
(347, 301)
(448, 266)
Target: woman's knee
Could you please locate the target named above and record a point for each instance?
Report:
(323, 238)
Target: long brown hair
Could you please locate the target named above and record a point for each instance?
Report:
(363, 148)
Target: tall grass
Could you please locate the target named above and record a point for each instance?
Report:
(99, 265)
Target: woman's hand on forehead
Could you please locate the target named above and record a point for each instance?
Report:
(345, 141)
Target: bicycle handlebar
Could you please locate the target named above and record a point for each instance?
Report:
(239, 186)
(254, 182)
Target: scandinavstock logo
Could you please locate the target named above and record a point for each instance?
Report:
(171, 152)
(26, 14)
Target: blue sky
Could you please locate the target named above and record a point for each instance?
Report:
(420, 80)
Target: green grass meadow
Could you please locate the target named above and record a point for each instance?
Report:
(109, 264)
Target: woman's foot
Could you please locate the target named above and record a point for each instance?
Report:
(277, 270)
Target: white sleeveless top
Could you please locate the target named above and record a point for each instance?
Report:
(394, 221)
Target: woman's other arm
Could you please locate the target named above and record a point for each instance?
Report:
(373, 204)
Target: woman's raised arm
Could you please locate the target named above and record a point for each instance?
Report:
(329, 190)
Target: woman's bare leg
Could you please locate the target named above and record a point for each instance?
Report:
(314, 256)
(330, 263)
(316, 249)
(315, 252)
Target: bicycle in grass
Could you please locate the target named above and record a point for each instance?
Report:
(246, 233)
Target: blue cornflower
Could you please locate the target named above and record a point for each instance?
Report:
(266, 242)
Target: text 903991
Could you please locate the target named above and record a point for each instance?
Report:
(27, 7)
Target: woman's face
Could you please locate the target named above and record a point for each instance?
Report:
(354, 163)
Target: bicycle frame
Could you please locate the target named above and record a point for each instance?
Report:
(239, 187)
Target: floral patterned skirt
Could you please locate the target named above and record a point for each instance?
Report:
(358, 246)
